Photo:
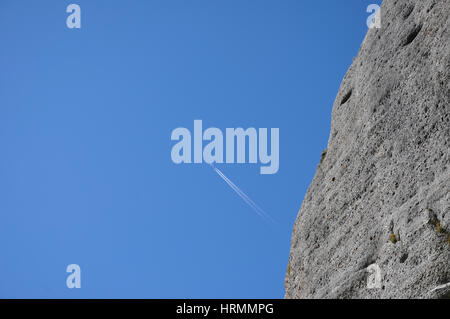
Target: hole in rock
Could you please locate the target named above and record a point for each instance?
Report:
(403, 258)
(347, 96)
(408, 12)
(412, 35)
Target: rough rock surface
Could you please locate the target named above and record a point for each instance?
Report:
(381, 191)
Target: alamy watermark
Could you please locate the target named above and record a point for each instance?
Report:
(74, 279)
(374, 279)
(73, 21)
(235, 144)
(374, 20)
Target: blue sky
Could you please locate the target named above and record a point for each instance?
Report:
(86, 115)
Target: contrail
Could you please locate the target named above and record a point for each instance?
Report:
(258, 210)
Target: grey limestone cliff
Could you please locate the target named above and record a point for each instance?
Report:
(381, 192)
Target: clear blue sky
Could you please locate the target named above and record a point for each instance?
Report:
(85, 121)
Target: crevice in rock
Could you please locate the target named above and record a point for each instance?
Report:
(324, 154)
(408, 12)
(403, 258)
(347, 96)
(412, 35)
(431, 7)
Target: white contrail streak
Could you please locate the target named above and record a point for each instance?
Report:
(258, 210)
(240, 193)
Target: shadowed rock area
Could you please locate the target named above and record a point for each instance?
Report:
(381, 193)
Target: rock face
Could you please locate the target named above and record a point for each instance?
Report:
(380, 199)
